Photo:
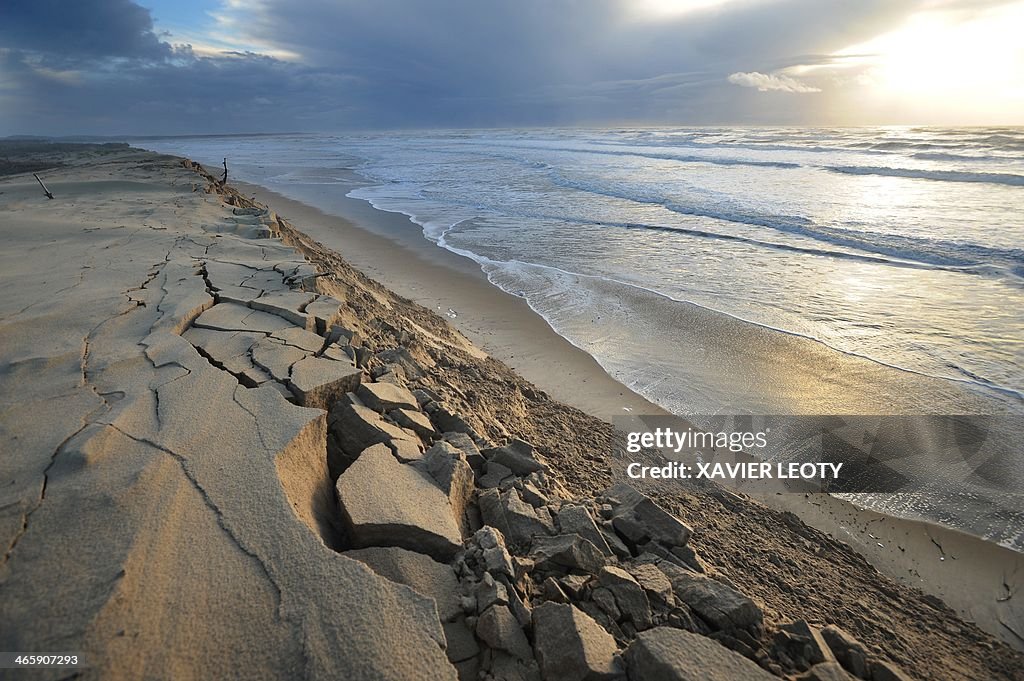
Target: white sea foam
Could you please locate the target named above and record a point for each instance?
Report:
(940, 175)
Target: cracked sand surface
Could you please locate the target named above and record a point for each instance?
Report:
(155, 513)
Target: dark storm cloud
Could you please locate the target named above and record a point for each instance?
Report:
(97, 66)
(79, 29)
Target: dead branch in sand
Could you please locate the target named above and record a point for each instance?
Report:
(46, 191)
(224, 180)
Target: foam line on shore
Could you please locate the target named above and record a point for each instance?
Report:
(978, 382)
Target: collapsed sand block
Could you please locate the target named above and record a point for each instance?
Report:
(402, 357)
(466, 444)
(319, 382)
(500, 630)
(721, 606)
(518, 456)
(819, 650)
(675, 655)
(629, 596)
(575, 519)
(518, 521)
(848, 651)
(387, 503)
(826, 671)
(342, 336)
(250, 210)
(414, 420)
(385, 397)
(654, 583)
(494, 475)
(494, 553)
(566, 552)
(571, 646)
(353, 428)
(419, 572)
(639, 520)
(302, 276)
(325, 312)
(447, 467)
(406, 451)
(287, 305)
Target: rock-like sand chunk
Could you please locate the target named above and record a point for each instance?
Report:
(571, 646)
(409, 511)
(676, 655)
(417, 571)
(384, 397)
(287, 305)
(318, 381)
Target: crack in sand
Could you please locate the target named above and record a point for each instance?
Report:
(87, 421)
(255, 419)
(163, 285)
(240, 264)
(149, 279)
(309, 353)
(183, 461)
(240, 377)
(51, 295)
(83, 363)
(206, 247)
(1010, 590)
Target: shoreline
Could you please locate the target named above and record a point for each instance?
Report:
(833, 381)
(391, 249)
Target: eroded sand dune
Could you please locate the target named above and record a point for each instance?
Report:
(159, 512)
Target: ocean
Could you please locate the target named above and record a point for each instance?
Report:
(681, 257)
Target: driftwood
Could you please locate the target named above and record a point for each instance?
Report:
(46, 191)
(224, 180)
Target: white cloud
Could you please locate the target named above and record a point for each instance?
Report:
(765, 82)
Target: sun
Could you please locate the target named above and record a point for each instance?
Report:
(935, 60)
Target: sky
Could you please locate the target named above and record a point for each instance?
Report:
(153, 67)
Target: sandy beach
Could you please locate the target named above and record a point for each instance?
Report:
(176, 504)
(976, 578)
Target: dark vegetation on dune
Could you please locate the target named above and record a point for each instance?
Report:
(32, 155)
